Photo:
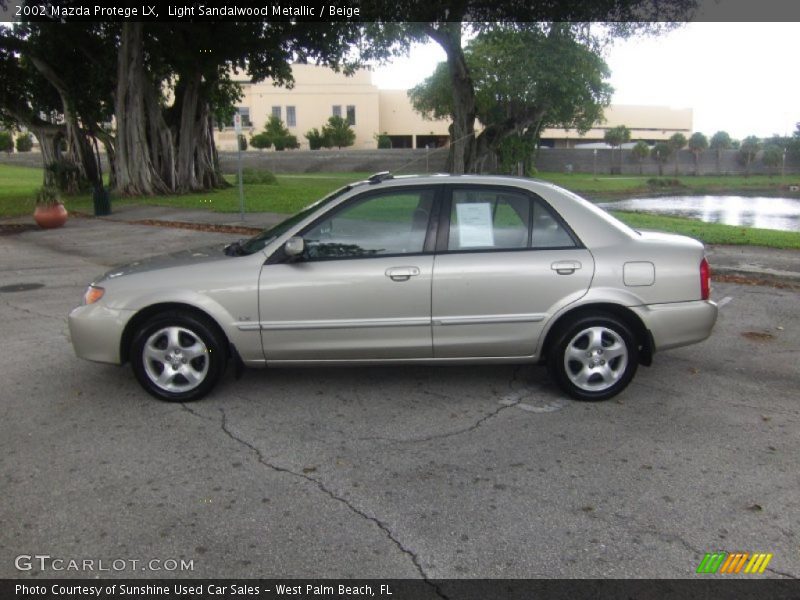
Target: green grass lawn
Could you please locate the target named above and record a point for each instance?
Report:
(18, 186)
(711, 233)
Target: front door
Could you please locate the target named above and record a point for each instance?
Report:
(361, 290)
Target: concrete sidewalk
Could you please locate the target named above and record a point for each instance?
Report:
(754, 262)
(130, 212)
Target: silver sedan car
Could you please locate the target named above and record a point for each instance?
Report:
(409, 270)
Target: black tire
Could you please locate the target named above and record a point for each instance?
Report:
(179, 356)
(594, 358)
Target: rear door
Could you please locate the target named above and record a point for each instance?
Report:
(504, 263)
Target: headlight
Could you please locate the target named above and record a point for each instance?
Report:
(93, 294)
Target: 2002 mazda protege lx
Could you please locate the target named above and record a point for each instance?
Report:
(434, 269)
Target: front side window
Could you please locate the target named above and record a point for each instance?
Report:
(337, 110)
(276, 112)
(351, 115)
(291, 116)
(394, 222)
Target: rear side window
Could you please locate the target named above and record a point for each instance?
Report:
(499, 219)
(547, 230)
(488, 220)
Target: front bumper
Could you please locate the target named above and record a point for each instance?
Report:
(96, 331)
(678, 323)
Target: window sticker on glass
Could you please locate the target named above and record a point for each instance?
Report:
(475, 225)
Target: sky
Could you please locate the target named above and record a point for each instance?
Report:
(737, 77)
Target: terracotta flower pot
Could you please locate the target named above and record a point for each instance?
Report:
(50, 217)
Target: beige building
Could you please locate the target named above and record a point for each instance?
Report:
(319, 93)
(649, 123)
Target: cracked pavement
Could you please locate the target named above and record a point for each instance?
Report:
(404, 472)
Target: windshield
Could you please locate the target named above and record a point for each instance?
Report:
(260, 241)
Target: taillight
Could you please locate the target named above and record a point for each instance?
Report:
(705, 280)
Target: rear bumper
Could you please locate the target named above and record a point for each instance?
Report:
(678, 323)
(96, 331)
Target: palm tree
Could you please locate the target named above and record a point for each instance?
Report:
(661, 153)
(750, 146)
(615, 137)
(677, 142)
(639, 152)
(720, 141)
(698, 144)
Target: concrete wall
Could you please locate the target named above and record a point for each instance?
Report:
(584, 161)
(549, 159)
(341, 161)
(433, 161)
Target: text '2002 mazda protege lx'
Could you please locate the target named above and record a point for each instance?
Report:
(424, 270)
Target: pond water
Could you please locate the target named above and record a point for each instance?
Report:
(767, 213)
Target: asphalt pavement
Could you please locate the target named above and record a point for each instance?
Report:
(432, 472)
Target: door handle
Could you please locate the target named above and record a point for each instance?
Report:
(565, 267)
(402, 273)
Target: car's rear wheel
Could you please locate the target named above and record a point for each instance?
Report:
(594, 358)
(178, 356)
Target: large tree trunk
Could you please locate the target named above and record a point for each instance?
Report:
(462, 139)
(144, 157)
(48, 144)
(47, 134)
(197, 163)
(152, 155)
(78, 163)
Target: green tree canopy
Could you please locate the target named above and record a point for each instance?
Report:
(278, 135)
(24, 142)
(615, 137)
(721, 140)
(640, 152)
(793, 146)
(57, 81)
(772, 156)
(337, 132)
(165, 83)
(748, 150)
(661, 153)
(561, 83)
(592, 23)
(260, 141)
(316, 139)
(6, 141)
(698, 144)
(677, 141)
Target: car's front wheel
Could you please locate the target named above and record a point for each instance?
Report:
(178, 356)
(594, 358)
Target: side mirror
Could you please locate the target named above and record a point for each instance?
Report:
(294, 246)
